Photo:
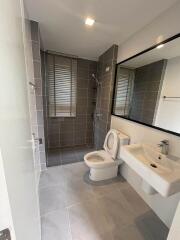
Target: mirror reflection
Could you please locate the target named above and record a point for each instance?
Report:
(147, 87)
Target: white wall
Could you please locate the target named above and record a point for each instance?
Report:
(170, 107)
(162, 27)
(19, 199)
(5, 210)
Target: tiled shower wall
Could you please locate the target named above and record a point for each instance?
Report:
(106, 71)
(38, 105)
(75, 131)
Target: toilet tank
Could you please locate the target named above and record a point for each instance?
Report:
(123, 140)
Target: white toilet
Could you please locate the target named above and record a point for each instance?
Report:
(103, 164)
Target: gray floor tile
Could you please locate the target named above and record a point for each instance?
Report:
(87, 221)
(67, 155)
(74, 208)
(131, 232)
(111, 219)
(55, 226)
(51, 199)
(52, 176)
(137, 204)
(53, 158)
(98, 219)
(76, 170)
(68, 160)
(148, 223)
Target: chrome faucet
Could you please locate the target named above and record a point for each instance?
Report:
(164, 145)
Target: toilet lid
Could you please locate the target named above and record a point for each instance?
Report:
(111, 143)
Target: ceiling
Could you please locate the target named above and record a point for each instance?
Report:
(170, 50)
(62, 22)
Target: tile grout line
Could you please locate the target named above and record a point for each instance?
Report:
(69, 223)
(72, 205)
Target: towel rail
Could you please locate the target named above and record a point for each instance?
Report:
(170, 97)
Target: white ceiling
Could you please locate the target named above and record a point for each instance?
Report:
(62, 22)
(170, 50)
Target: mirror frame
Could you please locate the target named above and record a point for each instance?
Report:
(114, 87)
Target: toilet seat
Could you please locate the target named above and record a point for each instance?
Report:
(111, 143)
(99, 159)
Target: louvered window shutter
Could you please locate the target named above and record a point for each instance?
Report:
(124, 86)
(61, 78)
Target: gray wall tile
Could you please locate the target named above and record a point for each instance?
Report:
(36, 50)
(35, 31)
(37, 68)
(72, 132)
(146, 89)
(106, 62)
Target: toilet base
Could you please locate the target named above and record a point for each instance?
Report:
(99, 174)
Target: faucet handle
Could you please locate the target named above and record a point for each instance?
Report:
(165, 141)
(164, 144)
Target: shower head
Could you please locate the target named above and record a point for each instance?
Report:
(95, 78)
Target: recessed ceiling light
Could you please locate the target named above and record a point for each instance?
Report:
(89, 21)
(160, 46)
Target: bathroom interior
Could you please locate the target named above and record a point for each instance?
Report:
(93, 100)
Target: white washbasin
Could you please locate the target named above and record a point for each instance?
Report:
(158, 170)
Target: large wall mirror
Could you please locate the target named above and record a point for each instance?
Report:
(147, 87)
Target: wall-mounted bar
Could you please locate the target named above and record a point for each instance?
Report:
(165, 97)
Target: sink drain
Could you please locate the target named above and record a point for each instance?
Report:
(153, 165)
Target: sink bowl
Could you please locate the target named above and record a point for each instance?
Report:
(158, 170)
